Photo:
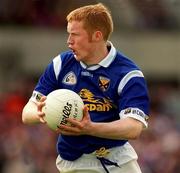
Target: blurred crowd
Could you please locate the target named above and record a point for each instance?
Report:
(31, 149)
(159, 145)
(24, 149)
(149, 14)
(42, 13)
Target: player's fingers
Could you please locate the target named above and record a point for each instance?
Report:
(86, 115)
(85, 110)
(42, 120)
(69, 129)
(40, 105)
(74, 122)
(43, 98)
(41, 117)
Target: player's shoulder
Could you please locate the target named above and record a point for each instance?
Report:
(65, 55)
(64, 58)
(125, 60)
(125, 63)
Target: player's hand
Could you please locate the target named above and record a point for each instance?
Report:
(82, 127)
(40, 105)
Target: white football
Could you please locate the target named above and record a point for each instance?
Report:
(62, 104)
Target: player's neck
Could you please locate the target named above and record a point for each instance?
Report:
(98, 54)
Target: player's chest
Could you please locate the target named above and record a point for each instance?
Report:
(102, 81)
(97, 90)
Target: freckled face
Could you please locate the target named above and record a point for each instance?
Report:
(78, 41)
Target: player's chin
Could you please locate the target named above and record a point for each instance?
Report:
(78, 58)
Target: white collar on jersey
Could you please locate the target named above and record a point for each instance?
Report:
(105, 62)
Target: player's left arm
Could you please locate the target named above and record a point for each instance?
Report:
(126, 128)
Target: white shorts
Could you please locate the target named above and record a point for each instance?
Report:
(125, 156)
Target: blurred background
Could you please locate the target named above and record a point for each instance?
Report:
(32, 32)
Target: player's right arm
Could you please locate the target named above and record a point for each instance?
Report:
(32, 112)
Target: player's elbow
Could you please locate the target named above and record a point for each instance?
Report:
(24, 117)
(29, 113)
(26, 114)
(136, 132)
(28, 119)
(24, 120)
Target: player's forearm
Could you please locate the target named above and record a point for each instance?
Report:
(29, 114)
(127, 128)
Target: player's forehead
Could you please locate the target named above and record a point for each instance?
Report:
(75, 26)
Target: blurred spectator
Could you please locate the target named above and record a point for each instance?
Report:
(152, 14)
(43, 13)
(24, 149)
(159, 146)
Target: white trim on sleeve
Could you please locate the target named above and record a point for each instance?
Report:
(36, 96)
(136, 114)
(57, 65)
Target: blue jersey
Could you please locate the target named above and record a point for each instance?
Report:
(113, 89)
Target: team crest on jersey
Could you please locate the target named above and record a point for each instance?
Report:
(104, 83)
(70, 79)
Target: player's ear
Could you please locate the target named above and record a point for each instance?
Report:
(97, 36)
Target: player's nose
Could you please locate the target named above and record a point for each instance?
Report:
(70, 40)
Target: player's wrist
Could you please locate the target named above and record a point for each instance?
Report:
(92, 129)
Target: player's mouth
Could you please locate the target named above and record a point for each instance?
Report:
(74, 52)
